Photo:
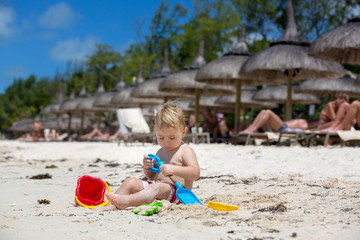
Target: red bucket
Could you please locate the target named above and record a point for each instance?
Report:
(90, 192)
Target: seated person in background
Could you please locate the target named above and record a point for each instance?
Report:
(211, 125)
(191, 123)
(351, 117)
(224, 131)
(334, 109)
(37, 127)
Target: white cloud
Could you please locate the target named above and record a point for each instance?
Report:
(57, 16)
(17, 71)
(73, 49)
(7, 17)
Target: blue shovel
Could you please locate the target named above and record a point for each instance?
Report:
(184, 195)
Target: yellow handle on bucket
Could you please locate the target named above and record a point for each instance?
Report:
(92, 206)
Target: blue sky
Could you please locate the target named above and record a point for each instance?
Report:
(38, 37)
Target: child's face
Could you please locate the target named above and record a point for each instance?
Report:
(170, 138)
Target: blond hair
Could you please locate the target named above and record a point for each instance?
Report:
(170, 115)
(343, 96)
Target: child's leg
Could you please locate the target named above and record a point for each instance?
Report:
(129, 186)
(147, 195)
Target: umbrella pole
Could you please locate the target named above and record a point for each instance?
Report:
(289, 95)
(82, 123)
(69, 124)
(197, 100)
(237, 104)
(99, 120)
(244, 114)
(58, 123)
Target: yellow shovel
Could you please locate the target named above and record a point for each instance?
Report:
(222, 207)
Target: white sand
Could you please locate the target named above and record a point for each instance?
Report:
(318, 189)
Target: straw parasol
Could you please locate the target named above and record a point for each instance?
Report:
(150, 88)
(210, 102)
(21, 126)
(54, 107)
(87, 104)
(340, 44)
(225, 71)
(287, 59)
(69, 106)
(357, 81)
(330, 87)
(246, 100)
(124, 99)
(183, 82)
(278, 94)
(104, 101)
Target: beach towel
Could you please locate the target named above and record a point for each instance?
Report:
(132, 120)
(348, 135)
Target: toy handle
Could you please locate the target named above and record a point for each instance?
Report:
(158, 163)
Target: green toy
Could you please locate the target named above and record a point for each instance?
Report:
(148, 209)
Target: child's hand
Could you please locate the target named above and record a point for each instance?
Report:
(167, 169)
(147, 162)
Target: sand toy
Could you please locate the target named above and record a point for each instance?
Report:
(90, 192)
(148, 209)
(222, 207)
(184, 195)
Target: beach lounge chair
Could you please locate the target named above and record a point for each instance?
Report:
(252, 138)
(133, 126)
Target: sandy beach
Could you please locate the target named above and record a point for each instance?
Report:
(282, 193)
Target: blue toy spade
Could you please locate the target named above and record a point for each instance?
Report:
(184, 195)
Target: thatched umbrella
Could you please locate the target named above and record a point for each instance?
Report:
(246, 100)
(225, 71)
(124, 99)
(54, 107)
(183, 82)
(210, 102)
(341, 44)
(289, 55)
(357, 81)
(69, 106)
(86, 105)
(21, 126)
(330, 87)
(278, 94)
(104, 101)
(150, 88)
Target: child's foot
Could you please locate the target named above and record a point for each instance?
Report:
(117, 200)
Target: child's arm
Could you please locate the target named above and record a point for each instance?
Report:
(147, 163)
(189, 170)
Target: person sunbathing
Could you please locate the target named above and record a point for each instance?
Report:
(96, 134)
(351, 117)
(275, 123)
(333, 111)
